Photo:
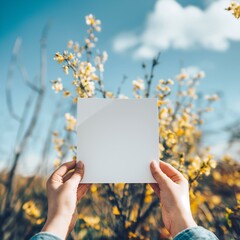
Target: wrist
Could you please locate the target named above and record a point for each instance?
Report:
(57, 226)
(181, 224)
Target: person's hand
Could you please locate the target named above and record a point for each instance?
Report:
(172, 189)
(64, 192)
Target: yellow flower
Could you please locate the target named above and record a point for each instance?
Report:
(93, 188)
(57, 85)
(182, 76)
(132, 235)
(70, 122)
(57, 162)
(115, 210)
(70, 44)
(107, 232)
(91, 221)
(235, 9)
(32, 212)
(216, 199)
(75, 100)
(66, 93)
(109, 94)
(138, 84)
(228, 210)
(212, 98)
(95, 23)
(212, 163)
(148, 199)
(65, 69)
(200, 74)
(127, 224)
(192, 93)
(90, 20)
(236, 12)
(58, 57)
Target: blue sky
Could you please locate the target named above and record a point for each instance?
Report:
(211, 44)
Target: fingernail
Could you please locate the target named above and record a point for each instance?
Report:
(80, 164)
(153, 164)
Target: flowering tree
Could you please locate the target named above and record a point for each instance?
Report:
(130, 211)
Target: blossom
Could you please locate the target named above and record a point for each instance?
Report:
(212, 98)
(104, 56)
(170, 82)
(57, 162)
(91, 221)
(192, 93)
(31, 209)
(32, 212)
(86, 71)
(57, 85)
(58, 144)
(90, 20)
(100, 60)
(89, 43)
(66, 93)
(76, 47)
(95, 23)
(115, 210)
(58, 57)
(70, 122)
(93, 188)
(235, 9)
(122, 96)
(65, 69)
(200, 74)
(138, 84)
(70, 56)
(182, 76)
(70, 44)
(109, 94)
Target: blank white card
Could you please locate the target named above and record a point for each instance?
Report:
(117, 139)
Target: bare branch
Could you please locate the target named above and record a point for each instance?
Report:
(32, 124)
(9, 80)
(25, 76)
(155, 62)
(120, 86)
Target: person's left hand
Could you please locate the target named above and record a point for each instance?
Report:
(64, 192)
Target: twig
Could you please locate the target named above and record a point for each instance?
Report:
(26, 78)
(141, 201)
(155, 62)
(120, 85)
(9, 81)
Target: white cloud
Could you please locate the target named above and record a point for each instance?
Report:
(124, 41)
(171, 25)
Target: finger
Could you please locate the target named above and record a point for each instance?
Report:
(64, 168)
(82, 190)
(171, 172)
(78, 173)
(155, 188)
(67, 176)
(158, 175)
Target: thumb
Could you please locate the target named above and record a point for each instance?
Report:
(158, 175)
(78, 172)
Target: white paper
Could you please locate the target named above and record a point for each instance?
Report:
(117, 139)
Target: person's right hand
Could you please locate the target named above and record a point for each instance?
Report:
(172, 189)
